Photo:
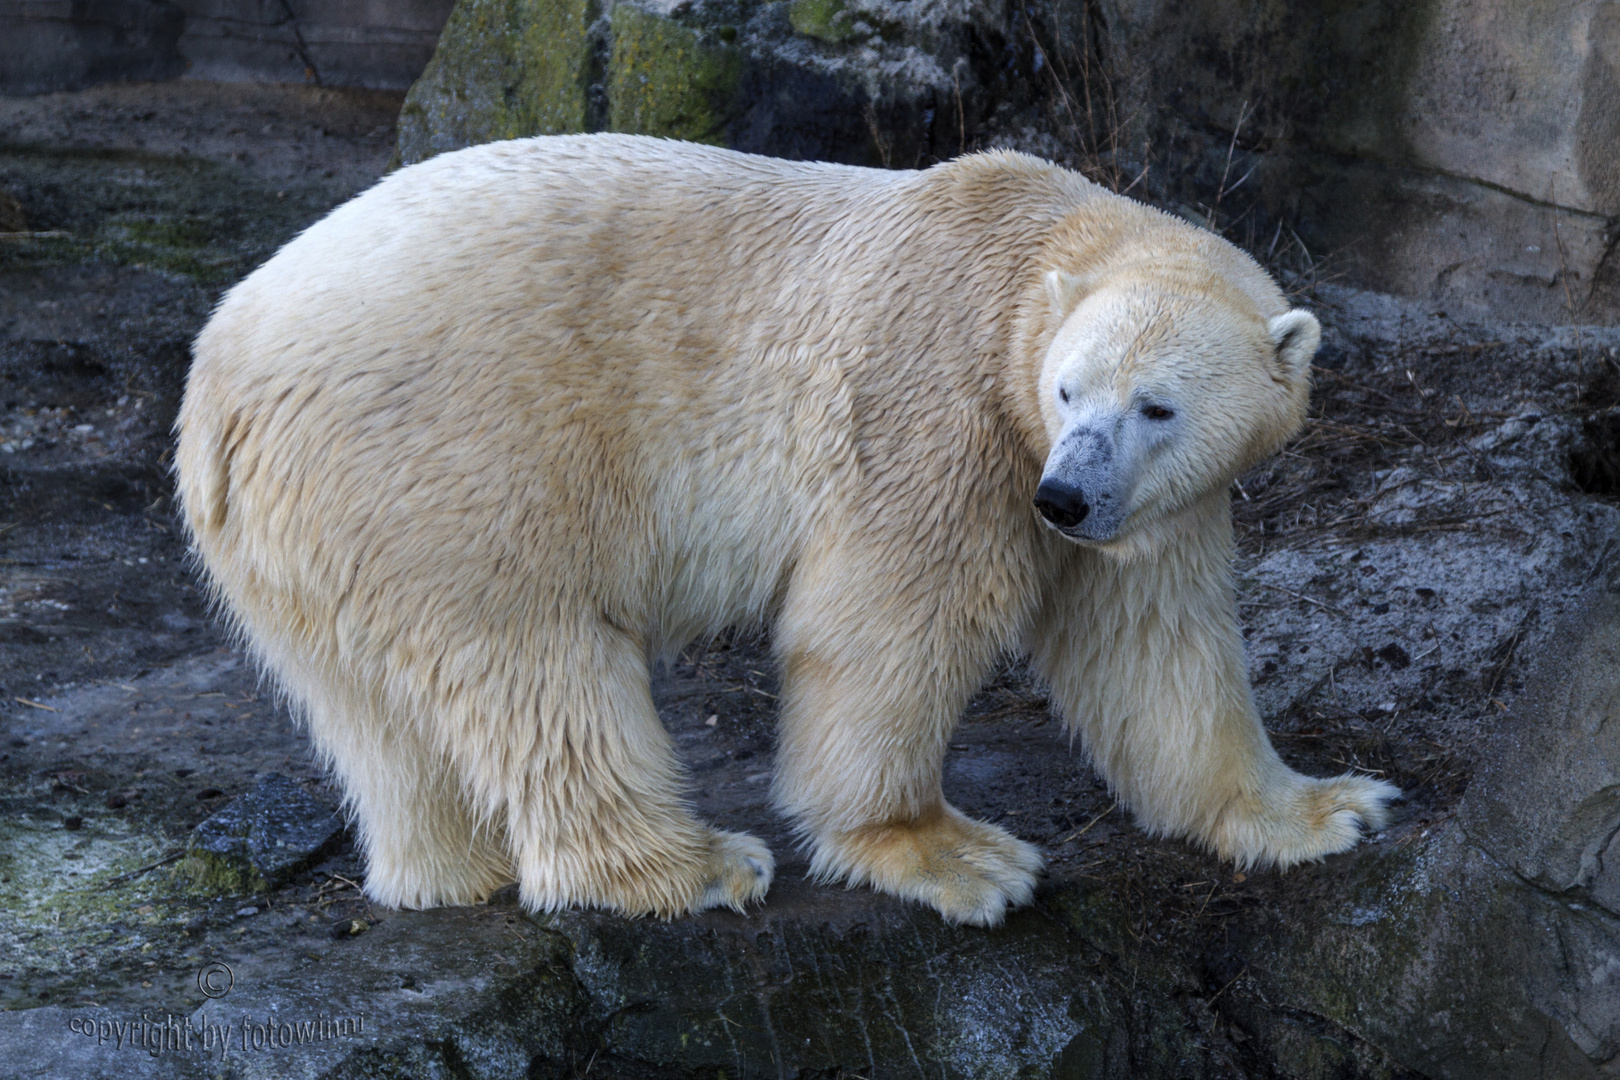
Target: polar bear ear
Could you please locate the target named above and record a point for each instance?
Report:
(1063, 290)
(1296, 335)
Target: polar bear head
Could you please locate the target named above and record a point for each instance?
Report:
(1160, 386)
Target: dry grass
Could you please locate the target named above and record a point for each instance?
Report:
(1085, 112)
(1084, 107)
(1319, 485)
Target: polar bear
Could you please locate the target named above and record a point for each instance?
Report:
(469, 452)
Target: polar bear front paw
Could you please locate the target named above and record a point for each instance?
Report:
(969, 870)
(1301, 819)
(740, 872)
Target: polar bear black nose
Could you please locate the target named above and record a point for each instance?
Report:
(1060, 504)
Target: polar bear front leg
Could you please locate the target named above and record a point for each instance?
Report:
(1145, 658)
(868, 706)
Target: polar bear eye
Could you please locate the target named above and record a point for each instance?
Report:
(1063, 395)
(1156, 412)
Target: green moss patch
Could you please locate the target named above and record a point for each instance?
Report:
(504, 69)
(204, 873)
(60, 894)
(182, 216)
(669, 80)
(827, 20)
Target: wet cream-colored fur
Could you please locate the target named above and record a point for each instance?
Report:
(467, 453)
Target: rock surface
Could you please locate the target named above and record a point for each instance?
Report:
(1491, 949)
(382, 44)
(1446, 522)
(260, 839)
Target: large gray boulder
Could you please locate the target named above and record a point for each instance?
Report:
(1491, 950)
(886, 83)
(1460, 152)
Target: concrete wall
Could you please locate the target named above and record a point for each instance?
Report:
(48, 45)
(376, 43)
(1464, 151)
(61, 44)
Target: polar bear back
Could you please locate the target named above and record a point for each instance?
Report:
(639, 366)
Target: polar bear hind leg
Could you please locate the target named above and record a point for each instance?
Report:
(594, 795)
(424, 846)
(576, 793)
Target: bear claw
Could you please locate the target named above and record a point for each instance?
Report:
(741, 868)
(1310, 819)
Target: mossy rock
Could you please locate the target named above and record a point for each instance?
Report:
(669, 80)
(504, 69)
(12, 218)
(259, 839)
(828, 20)
(507, 69)
(791, 80)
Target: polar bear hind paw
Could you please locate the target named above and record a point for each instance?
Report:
(740, 872)
(970, 871)
(1304, 821)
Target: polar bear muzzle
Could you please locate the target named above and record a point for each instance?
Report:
(1086, 486)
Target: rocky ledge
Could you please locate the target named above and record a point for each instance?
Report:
(1429, 580)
